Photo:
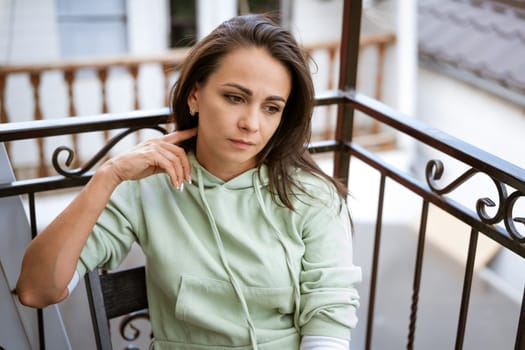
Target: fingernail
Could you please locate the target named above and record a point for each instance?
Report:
(181, 187)
(189, 179)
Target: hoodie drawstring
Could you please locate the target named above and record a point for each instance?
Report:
(289, 265)
(233, 280)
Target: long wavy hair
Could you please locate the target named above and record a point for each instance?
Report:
(287, 148)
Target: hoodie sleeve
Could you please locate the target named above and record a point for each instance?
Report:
(114, 233)
(329, 299)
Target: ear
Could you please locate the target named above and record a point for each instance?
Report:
(193, 99)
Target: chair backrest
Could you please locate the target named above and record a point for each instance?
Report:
(113, 294)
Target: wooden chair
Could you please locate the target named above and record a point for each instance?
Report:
(114, 294)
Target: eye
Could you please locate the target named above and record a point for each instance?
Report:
(233, 98)
(272, 109)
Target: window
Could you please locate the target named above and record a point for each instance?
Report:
(92, 28)
(183, 15)
(183, 27)
(259, 6)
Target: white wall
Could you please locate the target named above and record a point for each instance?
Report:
(28, 32)
(315, 21)
(211, 13)
(491, 124)
(477, 117)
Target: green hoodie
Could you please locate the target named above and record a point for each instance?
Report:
(229, 268)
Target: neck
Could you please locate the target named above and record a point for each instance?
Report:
(222, 170)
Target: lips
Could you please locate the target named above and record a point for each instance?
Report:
(243, 144)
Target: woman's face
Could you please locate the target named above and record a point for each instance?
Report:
(240, 107)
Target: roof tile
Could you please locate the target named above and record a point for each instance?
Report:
(478, 36)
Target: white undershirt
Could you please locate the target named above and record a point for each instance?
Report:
(315, 342)
(73, 283)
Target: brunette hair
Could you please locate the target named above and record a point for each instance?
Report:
(286, 149)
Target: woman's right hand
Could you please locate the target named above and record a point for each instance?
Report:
(51, 258)
(156, 155)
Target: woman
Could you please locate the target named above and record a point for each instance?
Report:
(246, 240)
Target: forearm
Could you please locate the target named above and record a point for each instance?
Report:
(51, 258)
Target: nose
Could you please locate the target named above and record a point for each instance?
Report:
(249, 121)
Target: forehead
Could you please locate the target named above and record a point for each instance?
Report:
(254, 67)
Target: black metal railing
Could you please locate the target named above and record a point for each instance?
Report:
(503, 227)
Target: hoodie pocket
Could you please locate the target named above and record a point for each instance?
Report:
(213, 314)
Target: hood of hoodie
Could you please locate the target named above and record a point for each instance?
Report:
(243, 181)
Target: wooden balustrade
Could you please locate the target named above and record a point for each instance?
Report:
(372, 136)
(169, 62)
(4, 118)
(70, 68)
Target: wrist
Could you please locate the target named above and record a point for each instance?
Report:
(107, 176)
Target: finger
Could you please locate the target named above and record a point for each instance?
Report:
(178, 136)
(175, 155)
(166, 161)
(182, 158)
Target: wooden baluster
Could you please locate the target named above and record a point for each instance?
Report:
(328, 129)
(4, 118)
(358, 126)
(103, 77)
(359, 55)
(134, 71)
(381, 50)
(37, 115)
(166, 71)
(69, 77)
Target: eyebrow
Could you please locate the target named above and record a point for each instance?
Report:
(250, 92)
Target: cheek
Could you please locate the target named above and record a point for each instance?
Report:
(270, 129)
(274, 125)
(215, 112)
(211, 124)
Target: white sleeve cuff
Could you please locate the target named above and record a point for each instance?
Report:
(314, 342)
(73, 283)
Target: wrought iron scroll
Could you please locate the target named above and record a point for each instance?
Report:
(96, 158)
(504, 212)
(129, 331)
